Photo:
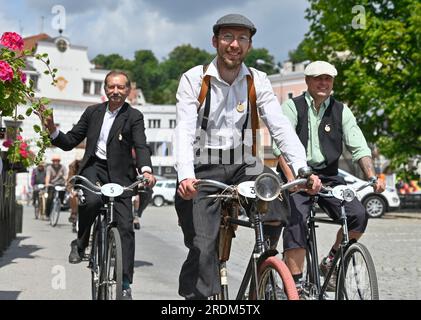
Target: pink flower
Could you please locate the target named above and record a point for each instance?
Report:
(6, 72)
(12, 41)
(7, 143)
(23, 153)
(22, 77)
(19, 138)
(23, 145)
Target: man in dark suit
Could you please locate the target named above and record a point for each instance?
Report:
(111, 130)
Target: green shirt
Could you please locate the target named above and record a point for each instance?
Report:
(353, 137)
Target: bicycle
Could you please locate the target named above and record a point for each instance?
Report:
(39, 201)
(56, 205)
(266, 276)
(106, 257)
(353, 264)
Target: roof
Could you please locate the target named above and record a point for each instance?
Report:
(32, 41)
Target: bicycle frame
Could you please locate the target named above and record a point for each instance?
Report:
(108, 237)
(261, 250)
(312, 247)
(338, 260)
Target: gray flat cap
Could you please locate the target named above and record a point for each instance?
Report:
(234, 20)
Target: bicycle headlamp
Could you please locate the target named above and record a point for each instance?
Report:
(267, 187)
(348, 195)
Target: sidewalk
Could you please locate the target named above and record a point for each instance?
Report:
(34, 266)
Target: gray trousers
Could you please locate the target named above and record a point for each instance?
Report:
(200, 220)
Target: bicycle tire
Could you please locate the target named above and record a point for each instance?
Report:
(36, 209)
(55, 212)
(273, 273)
(94, 264)
(114, 267)
(362, 287)
(41, 207)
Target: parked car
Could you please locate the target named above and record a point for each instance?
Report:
(163, 192)
(376, 204)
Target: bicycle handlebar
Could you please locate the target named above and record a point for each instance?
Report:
(233, 188)
(97, 190)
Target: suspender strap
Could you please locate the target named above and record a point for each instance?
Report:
(204, 88)
(254, 117)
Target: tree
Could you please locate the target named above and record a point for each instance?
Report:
(300, 54)
(261, 54)
(376, 49)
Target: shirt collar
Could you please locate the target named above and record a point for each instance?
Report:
(115, 111)
(310, 101)
(212, 70)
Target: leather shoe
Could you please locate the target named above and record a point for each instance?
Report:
(76, 253)
(127, 294)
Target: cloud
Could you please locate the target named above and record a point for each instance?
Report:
(125, 26)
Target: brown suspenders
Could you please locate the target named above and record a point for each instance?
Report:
(251, 98)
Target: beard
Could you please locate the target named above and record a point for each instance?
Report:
(228, 62)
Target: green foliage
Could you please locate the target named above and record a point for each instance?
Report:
(14, 91)
(261, 54)
(159, 80)
(380, 72)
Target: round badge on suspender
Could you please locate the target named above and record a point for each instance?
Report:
(240, 107)
(327, 128)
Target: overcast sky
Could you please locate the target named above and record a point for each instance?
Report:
(124, 26)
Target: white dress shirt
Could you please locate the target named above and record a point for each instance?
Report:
(225, 124)
(101, 145)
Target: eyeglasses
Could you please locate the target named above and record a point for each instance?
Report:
(229, 38)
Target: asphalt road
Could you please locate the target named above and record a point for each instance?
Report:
(35, 266)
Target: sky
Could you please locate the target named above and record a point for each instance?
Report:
(125, 26)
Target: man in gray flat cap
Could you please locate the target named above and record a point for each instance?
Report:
(323, 125)
(213, 140)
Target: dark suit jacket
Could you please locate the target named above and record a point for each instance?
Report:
(127, 132)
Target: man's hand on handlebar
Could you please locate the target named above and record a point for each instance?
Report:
(313, 185)
(150, 179)
(186, 189)
(379, 186)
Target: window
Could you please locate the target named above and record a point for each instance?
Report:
(172, 123)
(86, 86)
(154, 123)
(97, 88)
(290, 95)
(34, 78)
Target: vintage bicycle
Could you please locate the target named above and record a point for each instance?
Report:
(353, 264)
(56, 205)
(266, 277)
(105, 258)
(39, 201)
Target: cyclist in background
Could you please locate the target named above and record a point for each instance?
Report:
(323, 125)
(55, 176)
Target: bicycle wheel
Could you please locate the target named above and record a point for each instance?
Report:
(36, 209)
(41, 207)
(358, 281)
(55, 212)
(94, 264)
(275, 281)
(114, 267)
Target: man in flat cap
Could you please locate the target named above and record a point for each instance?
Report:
(214, 140)
(323, 125)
